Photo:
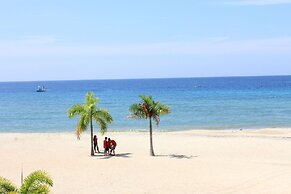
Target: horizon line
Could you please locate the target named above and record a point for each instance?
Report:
(148, 78)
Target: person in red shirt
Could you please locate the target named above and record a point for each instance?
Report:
(105, 146)
(112, 146)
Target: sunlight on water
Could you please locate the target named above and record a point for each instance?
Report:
(202, 103)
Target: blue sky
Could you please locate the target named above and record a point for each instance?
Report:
(71, 40)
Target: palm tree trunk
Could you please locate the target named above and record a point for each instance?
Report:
(91, 126)
(151, 138)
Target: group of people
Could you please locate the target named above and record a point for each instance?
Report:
(109, 146)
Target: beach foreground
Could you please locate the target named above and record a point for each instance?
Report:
(248, 161)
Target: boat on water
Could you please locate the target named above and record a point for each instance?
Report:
(40, 89)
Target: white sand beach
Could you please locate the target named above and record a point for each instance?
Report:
(247, 161)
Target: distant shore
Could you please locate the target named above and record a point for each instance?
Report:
(197, 161)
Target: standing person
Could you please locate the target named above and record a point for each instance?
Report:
(112, 147)
(105, 146)
(96, 144)
(108, 146)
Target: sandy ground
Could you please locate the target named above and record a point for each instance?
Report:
(257, 161)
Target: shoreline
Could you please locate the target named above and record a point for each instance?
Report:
(251, 132)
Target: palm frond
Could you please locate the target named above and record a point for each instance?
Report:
(156, 119)
(91, 100)
(137, 111)
(102, 123)
(41, 189)
(6, 186)
(82, 124)
(164, 109)
(158, 110)
(146, 99)
(134, 108)
(103, 114)
(161, 109)
(76, 110)
(84, 121)
(38, 180)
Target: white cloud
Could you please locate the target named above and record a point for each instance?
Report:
(30, 40)
(210, 46)
(257, 2)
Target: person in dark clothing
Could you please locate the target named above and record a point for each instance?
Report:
(96, 148)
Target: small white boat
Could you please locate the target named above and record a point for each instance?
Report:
(40, 89)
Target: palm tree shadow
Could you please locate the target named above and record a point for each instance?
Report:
(121, 155)
(178, 156)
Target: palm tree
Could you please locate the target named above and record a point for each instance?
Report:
(149, 109)
(35, 183)
(89, 112)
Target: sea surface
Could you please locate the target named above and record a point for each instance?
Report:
(196, 103)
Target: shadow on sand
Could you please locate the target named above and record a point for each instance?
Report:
(128, 155)
(178, 156)
(120, 155)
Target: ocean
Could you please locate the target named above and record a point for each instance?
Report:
(196, 103)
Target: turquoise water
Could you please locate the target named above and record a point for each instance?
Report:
(196, 103)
